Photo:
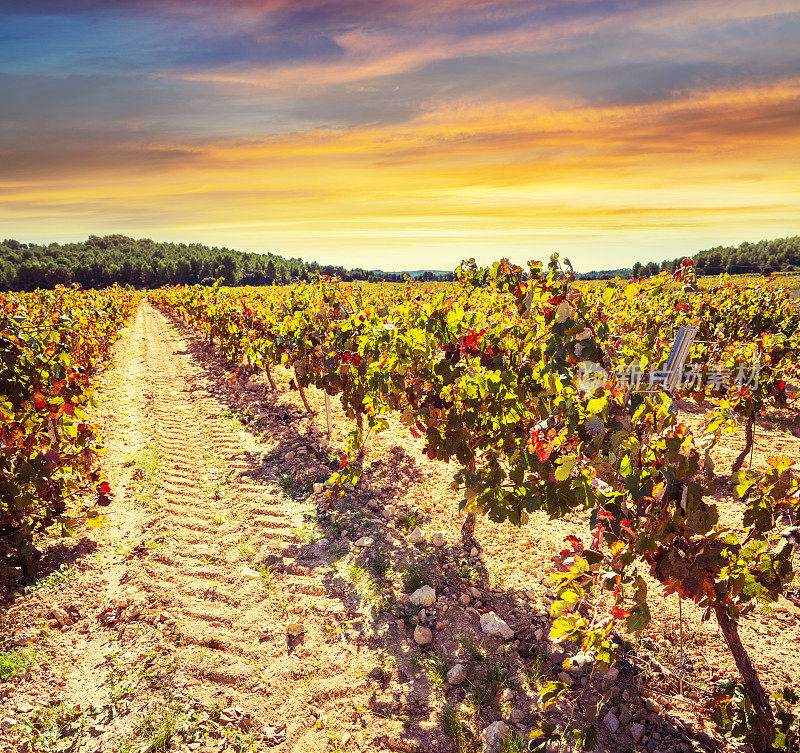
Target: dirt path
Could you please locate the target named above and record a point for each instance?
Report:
(215, 515)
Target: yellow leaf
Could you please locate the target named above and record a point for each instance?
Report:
(781, 462)
(631, 291)
(96, 522)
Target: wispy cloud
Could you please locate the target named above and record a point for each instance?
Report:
(391, 123)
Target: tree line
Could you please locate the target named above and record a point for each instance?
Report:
(764, 257)
(100, 262)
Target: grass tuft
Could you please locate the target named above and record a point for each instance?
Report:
(13, 663)
(472, 647)
(266, 574)
(513, 744)
(487, 686)
(454, 726)
(435, 664)
(408, 521)
(356, 573)
(536, 672)
(156, 730)
(380, 565)
(415, 576)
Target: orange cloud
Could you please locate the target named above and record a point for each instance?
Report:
(465, 177)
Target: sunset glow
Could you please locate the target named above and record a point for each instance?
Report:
(404, 135)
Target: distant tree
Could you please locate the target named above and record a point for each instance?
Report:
(56, 275)
(228, 269)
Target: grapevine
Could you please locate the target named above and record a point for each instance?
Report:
(487, 372)
(51, 344)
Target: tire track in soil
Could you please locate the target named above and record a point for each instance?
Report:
(214, 520)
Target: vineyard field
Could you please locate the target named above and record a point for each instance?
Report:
(512, 535)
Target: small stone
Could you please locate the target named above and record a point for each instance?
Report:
(494, 736)
(637, 730)
(372, 504)
(365, 541)
(539, 634)
(423, 597)
(23, 707)
(507, 695)
(473, 552)
(400, 625)
(389, 512)
(625, 716)
(422, 615)
(7, 723)
(464, 599)
(422, 635)
(474, 592)
(248, 572)
(652, 705)
(611, 722)
(531, 594)
(652, 745)
(442, 624)
(516, 716)
(457, 674)
(323, 542)
(612, 674)
(60, 614)
(416, 536)
(438, 539)
(346, 737)
(318, 487)
(295, 628)
(491, 624)
(565, 678)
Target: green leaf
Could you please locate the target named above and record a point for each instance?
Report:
(565, 466)
(638, 619)
(551, 691)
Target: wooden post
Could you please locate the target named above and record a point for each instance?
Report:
(328, 414)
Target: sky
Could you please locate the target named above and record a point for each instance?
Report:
(403, 135)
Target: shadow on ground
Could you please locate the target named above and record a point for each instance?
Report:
(372, 582)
